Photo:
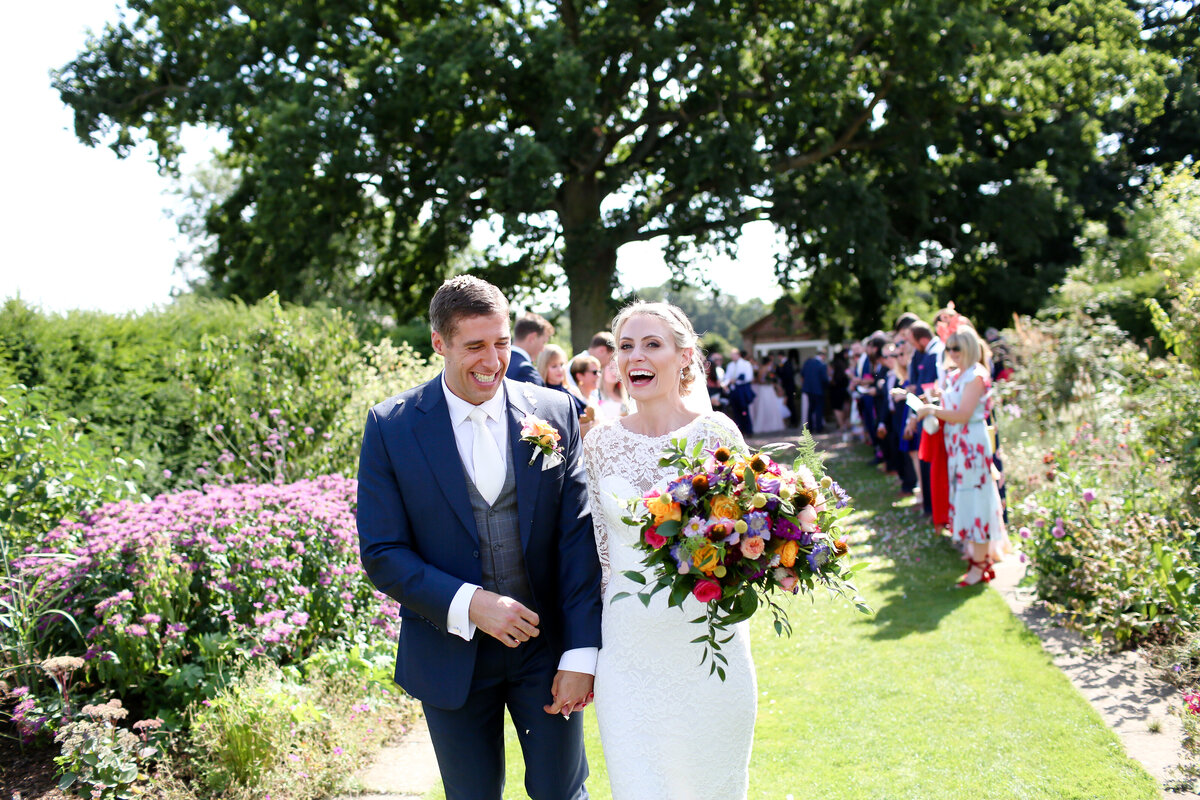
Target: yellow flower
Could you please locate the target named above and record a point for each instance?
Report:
(787, 553)
(706, 559)
(759, 500)
(740, 526)
(663, 509)
(725, 507)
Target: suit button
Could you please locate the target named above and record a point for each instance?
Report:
(475, 554)
(496, 547)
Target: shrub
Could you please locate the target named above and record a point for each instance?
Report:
(171, 592)
(1107, 542)
(101, 759)
(271, 732)
(50, 471)
(156, 386)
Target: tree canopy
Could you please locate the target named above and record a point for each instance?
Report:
(372, 137)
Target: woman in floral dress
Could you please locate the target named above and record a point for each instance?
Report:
(976, 514)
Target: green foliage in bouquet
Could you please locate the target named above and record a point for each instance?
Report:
(734, 528)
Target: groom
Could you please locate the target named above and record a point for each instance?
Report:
(487, 544)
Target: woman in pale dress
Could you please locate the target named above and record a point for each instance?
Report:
(768, 409)
(612, 401)
(649, 677)
(975, 512)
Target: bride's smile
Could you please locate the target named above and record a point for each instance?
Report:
(646, 355)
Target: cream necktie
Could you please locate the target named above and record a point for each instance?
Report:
(486, 460)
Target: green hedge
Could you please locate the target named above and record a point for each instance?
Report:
(209, 385)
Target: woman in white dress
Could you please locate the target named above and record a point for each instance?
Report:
(767, 410)
(650, 682)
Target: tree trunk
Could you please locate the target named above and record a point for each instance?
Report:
(590, 275)
(589, 260)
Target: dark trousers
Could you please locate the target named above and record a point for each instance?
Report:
(816, 412)
(469, 741)
(926, 489)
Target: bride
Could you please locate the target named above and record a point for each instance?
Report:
(651, 689)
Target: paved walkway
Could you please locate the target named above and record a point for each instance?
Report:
(1121, 687)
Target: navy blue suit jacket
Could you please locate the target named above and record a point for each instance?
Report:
(815, 376)
(419, 544)
(522, 369)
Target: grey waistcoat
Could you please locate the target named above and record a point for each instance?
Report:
(500, 540)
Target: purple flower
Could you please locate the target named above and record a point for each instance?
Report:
(786, 529)
(1025, 532)
(843, 499)
(681, 490)
(818, 557)
(308, 431)
(760, 524)
(1089, 495)
(134, 629)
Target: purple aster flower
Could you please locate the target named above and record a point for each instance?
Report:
(786, 529)
(681, 490)
(843, 499)
(818, 557)
(135, 630)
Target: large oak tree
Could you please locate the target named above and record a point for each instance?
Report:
(371, 137)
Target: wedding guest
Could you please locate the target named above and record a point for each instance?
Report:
(612, 399)
(903, 445)
(552, 367)
(976, 514)
(815, 384)
(767, 409)
(585, 371)
(738, 377)
(787, 371)
(602, 348)
(530, 335)
(839, 389)
(931, 447)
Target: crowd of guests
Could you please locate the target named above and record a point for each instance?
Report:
(919, 396)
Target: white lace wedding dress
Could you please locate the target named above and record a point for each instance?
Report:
(670, 730)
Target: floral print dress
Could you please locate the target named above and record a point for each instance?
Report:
(976, 514)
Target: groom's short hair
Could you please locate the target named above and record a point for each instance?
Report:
(464, 296)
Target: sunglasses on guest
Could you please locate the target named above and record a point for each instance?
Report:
(953, 349)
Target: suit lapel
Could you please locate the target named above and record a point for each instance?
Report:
(528, 477)
(435, 436)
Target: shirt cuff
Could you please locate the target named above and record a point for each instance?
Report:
(458, 618)
(581, 659)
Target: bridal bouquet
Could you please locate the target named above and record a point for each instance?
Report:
(733, 529)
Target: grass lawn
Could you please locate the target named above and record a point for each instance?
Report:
(942, 694)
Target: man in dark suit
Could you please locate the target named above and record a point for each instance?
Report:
(815, 382)
(487, 543)
(787, 381)
(530, 335)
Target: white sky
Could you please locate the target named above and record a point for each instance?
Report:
(84, 229)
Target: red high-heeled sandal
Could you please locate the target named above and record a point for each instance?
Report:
(986, 573)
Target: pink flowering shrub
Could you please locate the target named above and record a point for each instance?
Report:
(169, 592)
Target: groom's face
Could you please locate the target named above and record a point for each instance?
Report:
(476, 354)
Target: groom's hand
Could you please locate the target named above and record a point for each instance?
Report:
(502, 617)
(572, 692)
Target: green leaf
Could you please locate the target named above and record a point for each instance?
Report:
(635, 576)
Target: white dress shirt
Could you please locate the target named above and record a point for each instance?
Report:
(458, 621)
(738, 372)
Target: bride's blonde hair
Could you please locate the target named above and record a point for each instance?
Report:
(681, 329)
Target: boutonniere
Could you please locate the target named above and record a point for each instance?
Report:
(544, 438)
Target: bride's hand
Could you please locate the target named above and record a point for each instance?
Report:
(572, 692)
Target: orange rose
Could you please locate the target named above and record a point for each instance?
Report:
(725, 507)
(788, 552)
(706, 559)
(663, 509)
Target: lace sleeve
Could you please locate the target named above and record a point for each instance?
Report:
(591, 463)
